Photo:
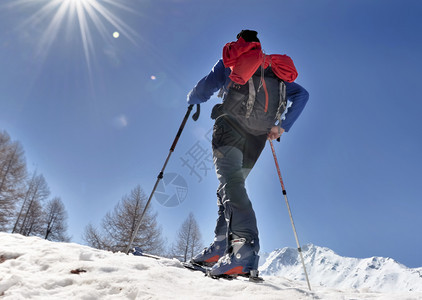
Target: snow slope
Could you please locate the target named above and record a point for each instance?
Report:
(32, 268)
(326, 268)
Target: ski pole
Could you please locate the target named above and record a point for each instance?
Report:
(161, 174)
(290, 213)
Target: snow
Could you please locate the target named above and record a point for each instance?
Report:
(326, 268)
(33, 268)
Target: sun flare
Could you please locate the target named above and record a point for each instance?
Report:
(88, 17)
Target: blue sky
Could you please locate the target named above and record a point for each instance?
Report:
(97, 115)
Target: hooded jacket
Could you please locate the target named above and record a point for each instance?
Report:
(244, 58)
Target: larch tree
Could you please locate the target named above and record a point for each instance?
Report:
(30, 214)
(95, 238)
(12, 178)
(189, 240)
(118, 226)
(55, 221)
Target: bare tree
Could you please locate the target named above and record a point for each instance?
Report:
(118, 226)
(189, 240)
(33, 220)
(12, 177)
(30, 214)
(55, 221)
(96, 239)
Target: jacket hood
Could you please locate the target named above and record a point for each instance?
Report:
(244, 58)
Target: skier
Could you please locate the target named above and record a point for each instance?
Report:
(254, 87)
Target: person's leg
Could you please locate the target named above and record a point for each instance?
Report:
(221, 224)
(210, 255)
(235, 153)
(233, 165)
(238, 210)
(222, 135)
(233, 161)
(242, 232)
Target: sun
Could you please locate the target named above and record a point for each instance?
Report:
(87, 16)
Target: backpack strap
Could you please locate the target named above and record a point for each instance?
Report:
(252, 93)
(251, 98)
(282, 104)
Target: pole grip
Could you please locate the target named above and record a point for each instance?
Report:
(197, 113)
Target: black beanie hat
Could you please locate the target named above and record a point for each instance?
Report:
(248, 35)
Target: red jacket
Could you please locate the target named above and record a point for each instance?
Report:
(244, 58)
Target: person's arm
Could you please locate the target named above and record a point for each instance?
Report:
(298, 96)
(208, 85)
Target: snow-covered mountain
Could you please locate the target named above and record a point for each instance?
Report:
(326, 268)
(33, 268)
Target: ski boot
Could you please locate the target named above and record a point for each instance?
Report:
(209, 256)
(242, 260)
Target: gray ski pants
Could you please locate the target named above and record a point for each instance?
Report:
(235, 152)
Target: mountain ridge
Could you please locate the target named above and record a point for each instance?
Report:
(327, 268)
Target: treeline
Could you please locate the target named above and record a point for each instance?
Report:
(118, 226)
(25, 206)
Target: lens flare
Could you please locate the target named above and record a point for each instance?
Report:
(79, 14)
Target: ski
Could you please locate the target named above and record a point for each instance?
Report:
(253, 277)
(195, 267)
(256, 279)
(138, 252)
